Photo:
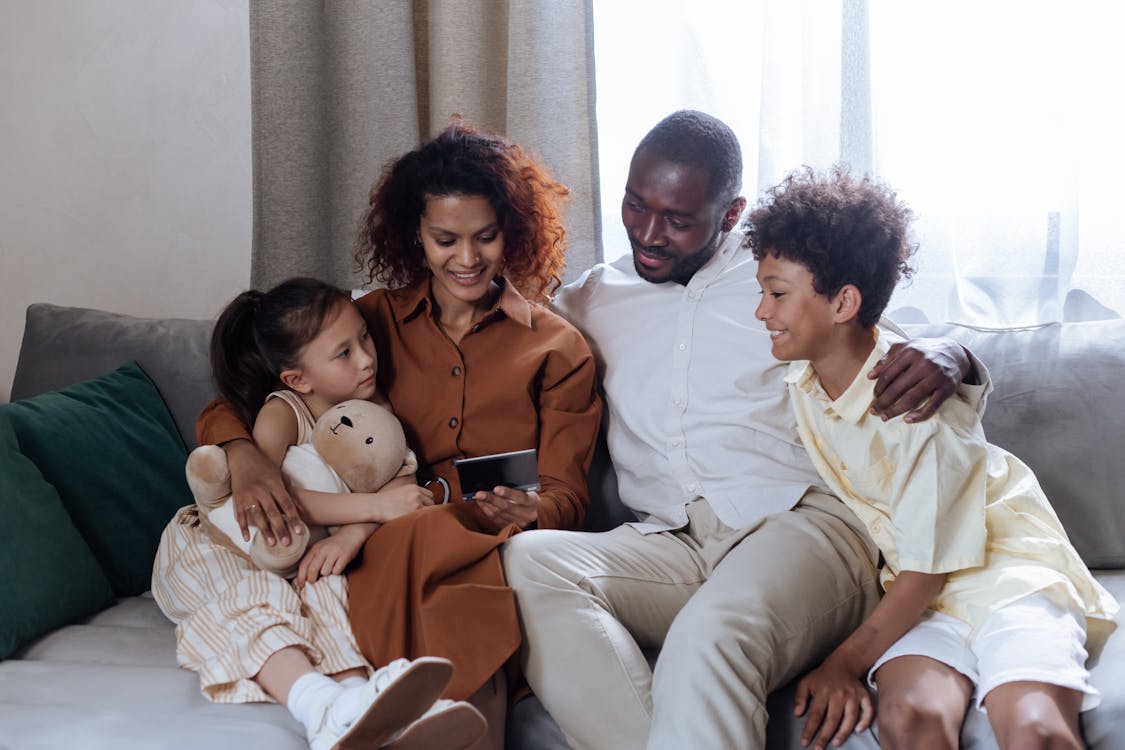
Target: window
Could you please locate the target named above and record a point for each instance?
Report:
(999, 123)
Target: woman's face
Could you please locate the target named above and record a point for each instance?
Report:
(464, 247)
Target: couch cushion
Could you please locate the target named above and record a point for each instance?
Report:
(1057, 406)
(64, 345)
(50, 575)
(49, 705)
(110, 448)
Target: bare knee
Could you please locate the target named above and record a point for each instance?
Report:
(1041, 735)
(910, 721)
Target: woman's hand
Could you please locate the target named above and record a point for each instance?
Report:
(837, 703)
(917, 376)
(331, 555)
(505, 505)
(260, 496)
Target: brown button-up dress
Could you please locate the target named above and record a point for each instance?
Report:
(430, 583)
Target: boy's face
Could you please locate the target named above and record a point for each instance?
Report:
(799, 320)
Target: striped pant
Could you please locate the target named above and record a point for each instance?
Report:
(230, 616)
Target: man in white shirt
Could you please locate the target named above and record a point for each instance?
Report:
(741, 567)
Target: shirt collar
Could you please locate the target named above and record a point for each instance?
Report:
(409, 302)
(854, 402)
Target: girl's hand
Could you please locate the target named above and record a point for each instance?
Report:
(331, 555)
(260, 496)
(505, 505)
(390, 503)
(840, 704)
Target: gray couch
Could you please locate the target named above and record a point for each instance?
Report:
(111, 681)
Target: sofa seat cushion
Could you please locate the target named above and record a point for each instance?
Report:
(112, 682)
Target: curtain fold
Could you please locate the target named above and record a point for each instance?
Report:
(341, 88)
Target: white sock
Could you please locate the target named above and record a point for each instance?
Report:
(309, 695)
(353, 681)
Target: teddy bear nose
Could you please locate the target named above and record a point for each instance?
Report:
(346, 422)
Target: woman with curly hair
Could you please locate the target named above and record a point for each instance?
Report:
(466, 233)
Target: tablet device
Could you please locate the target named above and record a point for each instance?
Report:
(518, 469)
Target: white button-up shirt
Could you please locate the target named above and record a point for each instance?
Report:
(697, 406)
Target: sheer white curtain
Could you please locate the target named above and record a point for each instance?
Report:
(999, 122)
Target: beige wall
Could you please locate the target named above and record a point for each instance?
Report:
(124, 158)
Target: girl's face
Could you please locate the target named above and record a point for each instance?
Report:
(339, 363)
(464, 248)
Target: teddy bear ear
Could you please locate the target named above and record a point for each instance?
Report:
(409, 464)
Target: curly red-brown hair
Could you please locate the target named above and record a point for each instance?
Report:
(461, 161)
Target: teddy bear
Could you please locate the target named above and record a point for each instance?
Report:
(357, 446)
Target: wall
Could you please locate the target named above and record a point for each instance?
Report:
(124, 158)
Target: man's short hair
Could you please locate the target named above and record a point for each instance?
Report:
(699, 140)
(843, 230)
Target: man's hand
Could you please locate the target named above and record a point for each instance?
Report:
(837, 703)
(260, 496)
(917, 376)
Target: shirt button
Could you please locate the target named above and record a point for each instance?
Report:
(453, 422)
(682, 347)
(677, 401)
(456, 371)
(676, 443)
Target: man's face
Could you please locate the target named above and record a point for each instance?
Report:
(673, 218)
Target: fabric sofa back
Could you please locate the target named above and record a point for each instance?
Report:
(1056, 403)
(65, 345)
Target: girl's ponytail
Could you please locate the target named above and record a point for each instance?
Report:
(242, 375)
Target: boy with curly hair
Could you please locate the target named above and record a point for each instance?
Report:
(988, 597)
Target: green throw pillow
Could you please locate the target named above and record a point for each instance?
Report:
(110, 448)
(50, 576)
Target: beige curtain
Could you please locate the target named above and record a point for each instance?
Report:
(340, 88)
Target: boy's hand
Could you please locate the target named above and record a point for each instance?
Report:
(917, 376)
(837, 703)
(330, 556)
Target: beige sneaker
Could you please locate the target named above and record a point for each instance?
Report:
(367, 715)
(448, 725)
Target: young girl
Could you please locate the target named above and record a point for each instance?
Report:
(288, 355)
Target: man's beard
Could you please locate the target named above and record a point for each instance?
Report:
(684, 267)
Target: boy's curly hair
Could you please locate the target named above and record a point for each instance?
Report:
(462, 161)
(844, 230)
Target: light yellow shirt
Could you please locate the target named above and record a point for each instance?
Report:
(938, 498)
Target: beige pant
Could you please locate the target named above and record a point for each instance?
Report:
(230, 616)
(737, 614)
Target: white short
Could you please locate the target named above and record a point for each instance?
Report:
(1032, 639)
